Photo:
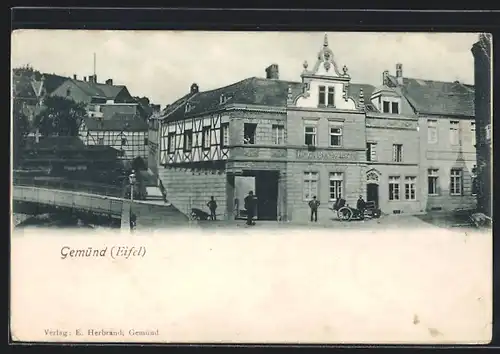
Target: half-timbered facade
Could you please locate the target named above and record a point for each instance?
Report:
(127, 134)
(287, 142)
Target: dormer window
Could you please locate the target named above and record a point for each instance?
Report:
(326, 96)
(390, 105)
(322, 94)
(68, 92)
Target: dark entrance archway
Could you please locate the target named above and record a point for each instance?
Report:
(372, 193)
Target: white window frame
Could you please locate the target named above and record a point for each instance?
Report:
(395, 193)
(395, 156)
(279, 134)
(433, 174)
(432, 127)
(456, 175)
(206, 137)
(224, 132)
(336, 186)
(314, 134)
(323, 94)
(188, 138)
(473, 133)
(310, 185)
(454, 132)
(339, 134)
(329, 103)
(372, 150)
(411, 188)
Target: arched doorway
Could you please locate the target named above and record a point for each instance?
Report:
(372, 187)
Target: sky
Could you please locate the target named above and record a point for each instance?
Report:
(162, 65)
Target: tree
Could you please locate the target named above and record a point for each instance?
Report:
(138, 164)
(61, 116)
(20, 130)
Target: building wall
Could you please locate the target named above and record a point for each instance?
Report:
(444, 156)
(109, 109)
(192, 188)
(348, 159)
(385, 130)
(136, 142)
(75, 93)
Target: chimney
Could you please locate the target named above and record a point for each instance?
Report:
(385, 78)
(272, 72)
(399, 73)
(194, 88)
(85, 78)
(74, 77)
(93, 79)
(109, 82)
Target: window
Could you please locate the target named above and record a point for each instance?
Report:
(124, 141)
(279, 134)
(206, 138)
(456, 182)
(432, 136)
(386, 107)
(249, 133)
(224, 140)
(336, 181)
(188, 140)
(100, 141)
(310, 185)
(146, 141)
(331, 96)
(397, 153)
(335, 136)
(473, 132)
(410, 188)
(395, 107)
(322, 98)
(474, 185)
(454, 137)
(171, 142)
(310, 135)
(394, 182)
(432, 181)
(371, 152)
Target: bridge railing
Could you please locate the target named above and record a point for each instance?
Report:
(87, 187)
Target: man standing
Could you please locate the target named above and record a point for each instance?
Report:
(250, 207)
(314, 204)
(212, 205)
(361, 206)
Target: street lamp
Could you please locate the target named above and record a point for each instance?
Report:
(132, 179)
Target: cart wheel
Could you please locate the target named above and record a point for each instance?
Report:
(376, 214)
(345, 214)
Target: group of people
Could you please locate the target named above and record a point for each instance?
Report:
(339, 203)
(250, 204)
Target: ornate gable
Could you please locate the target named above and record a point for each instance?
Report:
(325, 85)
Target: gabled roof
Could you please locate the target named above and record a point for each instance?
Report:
(22, 88)
(118, 122)
(98, 90)
(52, 82)
(250, 91)
(438, 97)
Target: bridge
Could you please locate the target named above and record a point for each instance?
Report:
(35, 196)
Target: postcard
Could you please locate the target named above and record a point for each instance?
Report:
(251, 187)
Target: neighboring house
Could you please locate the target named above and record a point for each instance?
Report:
(101, 97)
(126, 133)
(322, 136)
(482, 52)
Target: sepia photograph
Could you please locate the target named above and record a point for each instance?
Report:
(251, 187)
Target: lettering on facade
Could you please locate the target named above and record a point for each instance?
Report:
(251, 152)
(278, 153)
(325, 155)
(390, 123)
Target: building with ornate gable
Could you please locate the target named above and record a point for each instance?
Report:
(321, 136)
